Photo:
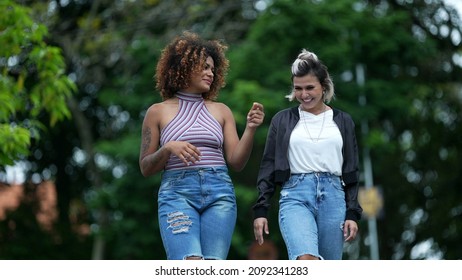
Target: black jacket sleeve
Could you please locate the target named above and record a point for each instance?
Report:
(350, 175)
(265, 182)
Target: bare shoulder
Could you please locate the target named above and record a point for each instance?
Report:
(154, 108)
(218, 107)
(220, 111)
(159, 114)
(154, 111)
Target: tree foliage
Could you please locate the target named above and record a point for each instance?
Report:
(33, 81)
(412, 75)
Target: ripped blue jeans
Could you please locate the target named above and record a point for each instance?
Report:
(197, 213)
(312, 212)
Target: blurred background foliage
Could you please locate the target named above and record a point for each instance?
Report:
(410, 103)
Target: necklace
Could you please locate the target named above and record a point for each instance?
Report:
(304, 120)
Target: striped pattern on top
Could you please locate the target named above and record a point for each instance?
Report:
(194, 124)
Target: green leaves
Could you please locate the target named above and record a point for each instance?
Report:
(14, 143)
(32, 81)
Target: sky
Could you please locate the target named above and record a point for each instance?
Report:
(457, 4)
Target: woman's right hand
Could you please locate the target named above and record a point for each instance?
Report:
(260, 225)
(186, 152)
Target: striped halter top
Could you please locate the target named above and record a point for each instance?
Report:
(194, 123)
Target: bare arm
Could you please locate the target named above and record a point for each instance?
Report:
(152, 158)
(238, 151)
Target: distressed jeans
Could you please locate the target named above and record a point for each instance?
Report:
(197, 213)
(312, 212)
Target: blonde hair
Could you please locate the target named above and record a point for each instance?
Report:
(307, 63)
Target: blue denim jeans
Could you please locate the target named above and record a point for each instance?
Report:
(312, 211)
(197, 212)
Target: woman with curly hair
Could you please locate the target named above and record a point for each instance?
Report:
(191, 139)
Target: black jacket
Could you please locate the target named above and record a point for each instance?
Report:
(275, 169)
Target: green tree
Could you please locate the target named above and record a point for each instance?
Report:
(33, 81)
(411, 56)
(111, 48)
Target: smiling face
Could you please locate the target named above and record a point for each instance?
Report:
(309, 92)
(201, 81)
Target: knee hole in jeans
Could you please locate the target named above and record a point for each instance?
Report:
(193, 258)
(307, 257)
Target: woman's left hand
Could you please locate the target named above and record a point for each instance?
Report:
(256, 115)
(350, 229)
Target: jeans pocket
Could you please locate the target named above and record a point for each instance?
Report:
(224, 176)
(293, 181)
(336, 182)
(169, 182)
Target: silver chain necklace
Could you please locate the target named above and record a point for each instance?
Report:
(322, 125)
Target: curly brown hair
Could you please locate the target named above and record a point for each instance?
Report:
(186, 55)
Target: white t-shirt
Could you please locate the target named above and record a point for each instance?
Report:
(316, 144)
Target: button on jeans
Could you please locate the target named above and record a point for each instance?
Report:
(197, 212)
(312, 212)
